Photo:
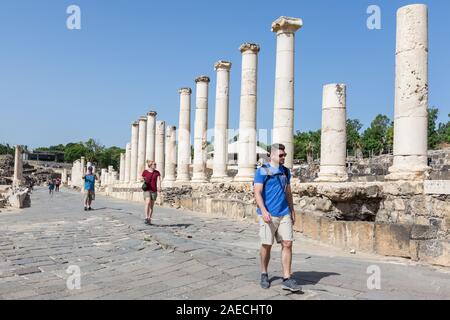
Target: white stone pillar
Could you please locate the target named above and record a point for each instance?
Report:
(122, 168)
(283, 118)
(82, 173)
(160, 146)
(411, 95)
(220, 160)
(127, 162)
(201, 127)
(333, 144)
(141, 146)
(247, 120)
(184, 136)
(18, 167)
(103, 177)
(64, 177)
(134, 151)
(150, 148)
(170, 159)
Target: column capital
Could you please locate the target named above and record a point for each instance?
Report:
(152, 113)
(142, 118)
(222, 65)
(249, 47)
(135, 123)
(185, 91)
(202, 79)
(287, 24)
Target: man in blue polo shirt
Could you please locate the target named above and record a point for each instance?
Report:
(276, 214)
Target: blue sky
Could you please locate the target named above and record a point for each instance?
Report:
(59, 85)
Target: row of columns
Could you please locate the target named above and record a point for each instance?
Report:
(410, 129)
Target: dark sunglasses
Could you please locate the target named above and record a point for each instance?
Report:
(283, 155)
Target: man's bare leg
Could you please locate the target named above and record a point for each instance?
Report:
(286, 258)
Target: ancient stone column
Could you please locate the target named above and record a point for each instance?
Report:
(334, 134)
(122, 168)
(247, 120)
(184, 136)
(411, 95)
(283, 118)
(141, 146)
(150, 148)
(18, 167)
(103, 178)
(64, 177)
(170, 159)
(160, 146)
(82, 173)
(134, 151)
(127, 162)
(201, 127)
(220, 160)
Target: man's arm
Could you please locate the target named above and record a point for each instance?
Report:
(258, 189)
(290, 202)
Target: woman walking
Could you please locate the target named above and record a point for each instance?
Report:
(152, 180)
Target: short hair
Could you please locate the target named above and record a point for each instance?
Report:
(90, 168)
(277, 146)
(150, 162)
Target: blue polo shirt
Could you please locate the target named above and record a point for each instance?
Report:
(89, 182)
(274, 191)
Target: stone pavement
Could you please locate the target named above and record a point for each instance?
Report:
(185, 255)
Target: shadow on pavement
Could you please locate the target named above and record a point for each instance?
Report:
(311, 277)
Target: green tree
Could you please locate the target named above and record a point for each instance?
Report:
(353, 136)
(375, 138)
(444, 132)
(6, 149)
(74, 151)
(306, 143)
(433, 136)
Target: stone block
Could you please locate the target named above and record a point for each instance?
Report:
(339, 238)
(360, 236)
(414, 249)
(186, 203)
(311, 226)
(392, 239)
(436, 252)
(423, 232)
(298, 226)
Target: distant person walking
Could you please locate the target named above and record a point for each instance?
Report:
(151, 187)
(89, 189)
(57, 184)
(276, 214)
(51, 187)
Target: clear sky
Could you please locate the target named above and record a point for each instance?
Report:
(59, 85)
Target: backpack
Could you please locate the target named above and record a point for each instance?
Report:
(270, 175)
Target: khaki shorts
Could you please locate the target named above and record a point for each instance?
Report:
(151, 195)
(280, 228)
(89, 195)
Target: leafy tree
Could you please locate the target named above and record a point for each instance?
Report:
(433, 136)
(6, 149)
(374, 138)
(74, 151)
(353, 136)
(306, 143)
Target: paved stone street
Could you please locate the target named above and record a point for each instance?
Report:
(185, 255)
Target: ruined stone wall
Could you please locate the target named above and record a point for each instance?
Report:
(376, 168)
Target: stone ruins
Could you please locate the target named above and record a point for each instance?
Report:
(406, 214)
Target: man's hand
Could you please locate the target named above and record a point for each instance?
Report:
(293, 217)
(267, 217)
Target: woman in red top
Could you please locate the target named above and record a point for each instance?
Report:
(152, 178)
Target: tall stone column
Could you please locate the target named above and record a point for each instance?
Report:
(184, 136)
(411, 95)
(247, 120)
(134, 151)
(151, 123)
(160, 146)
(141, 146)
(283, 118)
(18, 167)
(333, 145)
(103, 178)
(122, 168)
(201, 127)
(221, 121)
(64, 177)
(82, 173)
(127, 162)
(170, 160)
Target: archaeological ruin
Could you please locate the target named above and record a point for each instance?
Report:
(401, 210)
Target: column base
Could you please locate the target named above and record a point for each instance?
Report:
(331, 178)
(168, 183)
(219, 179)
(406, 175)
(244, 179)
